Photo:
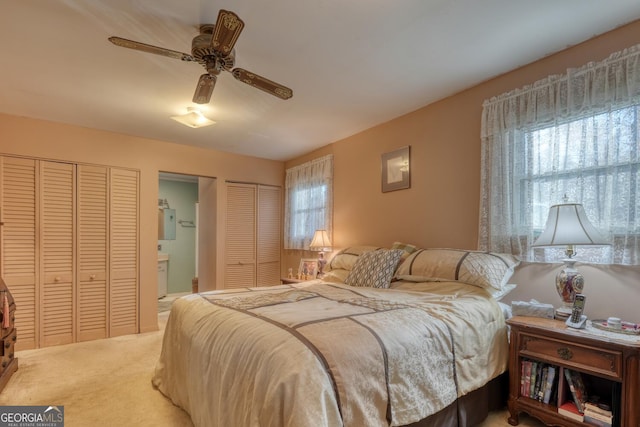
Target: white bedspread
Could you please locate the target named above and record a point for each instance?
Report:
(326, 354)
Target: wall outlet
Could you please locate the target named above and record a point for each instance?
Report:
(159, 247)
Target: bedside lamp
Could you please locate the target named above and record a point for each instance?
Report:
(568, 225)
(320, 242)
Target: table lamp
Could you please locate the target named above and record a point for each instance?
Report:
(320, 242)
(568, 225)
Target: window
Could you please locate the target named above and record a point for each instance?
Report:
(308, 202)
(585, 155)
(575, 135)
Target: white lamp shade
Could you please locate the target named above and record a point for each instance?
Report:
(568, 224)
(320, 241)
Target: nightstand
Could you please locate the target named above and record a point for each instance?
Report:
(609, 365)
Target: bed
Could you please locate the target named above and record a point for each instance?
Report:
(371, 344)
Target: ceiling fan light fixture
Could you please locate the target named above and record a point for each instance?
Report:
(193, 118)
(214, 49)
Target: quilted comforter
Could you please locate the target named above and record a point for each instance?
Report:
(327, 354)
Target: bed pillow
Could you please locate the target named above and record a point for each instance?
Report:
(374, 269)
(407, 249)
(347, 257)
(338, 275)
(498, 294)
(484, 269)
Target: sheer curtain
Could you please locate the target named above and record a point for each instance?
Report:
(308, 202)
(575, 134)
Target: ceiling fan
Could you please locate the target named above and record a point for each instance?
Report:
(213, 49)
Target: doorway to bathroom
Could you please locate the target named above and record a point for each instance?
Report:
(182, 235)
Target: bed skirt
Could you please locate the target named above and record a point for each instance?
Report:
(471, 409)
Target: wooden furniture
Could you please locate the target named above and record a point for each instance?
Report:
(8, 335)
(602, 360)
(252, 237)
(287, 281)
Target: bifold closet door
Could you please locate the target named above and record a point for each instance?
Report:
(92, 226)
(252, 249)
(240, 236)
(268, 235)
(57, 249)
(19, 250)
(123, 253)
(69, 249)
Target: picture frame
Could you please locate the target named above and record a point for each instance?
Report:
(308, 268)
(396, 169)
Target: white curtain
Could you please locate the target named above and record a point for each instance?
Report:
(308, 202)
(575, 134)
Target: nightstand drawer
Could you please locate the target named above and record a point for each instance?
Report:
(593, 359)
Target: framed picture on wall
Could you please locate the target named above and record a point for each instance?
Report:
(308, 268)
(396, 172)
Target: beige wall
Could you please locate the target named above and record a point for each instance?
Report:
(36, 138)
(441, 207)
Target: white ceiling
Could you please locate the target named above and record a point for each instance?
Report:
(351, 63)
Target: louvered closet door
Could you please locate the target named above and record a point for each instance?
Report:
(268, 244)
(123, 253)
(19, 251)
(92, 298)
(57, 246)
(240, 237)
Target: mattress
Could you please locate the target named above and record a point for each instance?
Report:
(329, 354)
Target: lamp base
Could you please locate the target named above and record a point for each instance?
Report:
(321, 263)
(569, 282)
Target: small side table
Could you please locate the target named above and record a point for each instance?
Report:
(605, 362)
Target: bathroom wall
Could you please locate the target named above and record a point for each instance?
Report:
(181, 196)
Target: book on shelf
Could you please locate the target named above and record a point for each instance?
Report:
(561, 389)
(527, 377)
(570, 410)
(595, 408)
(597, 419)
(576, 385)
(522, 375)
(542, 383)
(532, 380)
(539, 383)
(549, 384)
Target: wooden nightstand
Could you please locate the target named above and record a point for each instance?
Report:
(610, 368)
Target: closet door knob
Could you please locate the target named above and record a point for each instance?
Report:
(91, 277)
(57, 279)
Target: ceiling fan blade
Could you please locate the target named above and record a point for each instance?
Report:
(204, 89)
(262, 83)
(119, 41)
(226, 32)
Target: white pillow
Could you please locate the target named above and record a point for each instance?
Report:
(347, 257)
(484, 269)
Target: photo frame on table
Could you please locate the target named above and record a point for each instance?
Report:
(396, 170)
(308, 268)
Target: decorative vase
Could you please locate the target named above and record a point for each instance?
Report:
(569, 282)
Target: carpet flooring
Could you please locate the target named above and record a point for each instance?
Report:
(108, 383)
(164, 305)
